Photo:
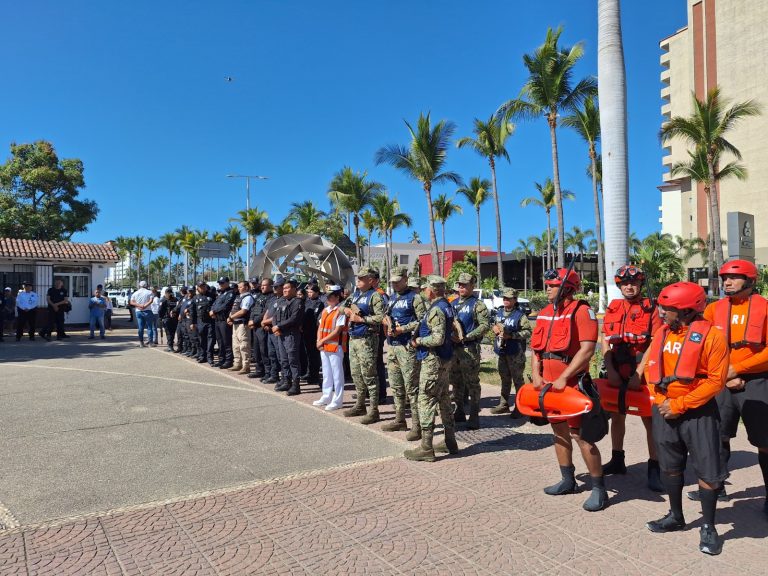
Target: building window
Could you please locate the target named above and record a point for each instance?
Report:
(403, 259)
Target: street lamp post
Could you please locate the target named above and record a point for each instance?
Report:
(247, 212)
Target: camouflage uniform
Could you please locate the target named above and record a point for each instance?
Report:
(434, 329)
(402, 367)
(466, 355)
(363, 351)
(511, 365)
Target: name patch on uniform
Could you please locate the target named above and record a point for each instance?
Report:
(592, 315)
(695, 337)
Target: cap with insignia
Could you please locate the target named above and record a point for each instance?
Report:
(509, 293)
(279, 280)
(224, 280)
(465, 278)
(398, 274)
(435, 281)
(414, 282)
(333, 288)
(366, 271)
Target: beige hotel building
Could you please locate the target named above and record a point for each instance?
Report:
(725, 44)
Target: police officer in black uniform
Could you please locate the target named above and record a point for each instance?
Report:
(313, 308)
(273, 348)
(201, 324)
(178, 314)
(189, 339)
(260, 348)
(287, 327)
(168, 321)
(220, 312)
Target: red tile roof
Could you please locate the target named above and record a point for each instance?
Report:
(44, 250)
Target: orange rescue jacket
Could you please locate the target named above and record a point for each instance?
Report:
(755, 323)
(687, 360)
(328, 325)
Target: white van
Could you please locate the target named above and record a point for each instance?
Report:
(119, 298)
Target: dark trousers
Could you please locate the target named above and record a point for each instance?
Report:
(55, 320)
(108, 319)
(170, 326)
(224, 338)
(206, 341)
(312, 367)
(260, 352)
(194, 338)
(25, 318)
(273, 351)
(179, 335)
(381, 370)
(290, 343)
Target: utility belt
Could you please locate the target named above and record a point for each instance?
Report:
(667, 380)
(361, 336)
(468, 343)
(740, 345)
(755, 376)
(565, 359)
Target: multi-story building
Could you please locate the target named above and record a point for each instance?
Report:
(724, 44)
(407, 253)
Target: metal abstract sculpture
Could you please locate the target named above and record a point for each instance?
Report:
(305, 256)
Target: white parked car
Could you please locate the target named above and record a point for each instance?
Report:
(493, 300)
(119, 298)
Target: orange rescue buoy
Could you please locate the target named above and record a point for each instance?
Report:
(636, 402)
(555, 403)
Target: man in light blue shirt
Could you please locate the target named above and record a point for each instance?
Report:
(97, 306)
(26, 308)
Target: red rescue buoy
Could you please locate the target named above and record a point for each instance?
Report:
(636, 402)
(564, 403)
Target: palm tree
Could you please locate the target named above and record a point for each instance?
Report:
(706, 130)
(388, 218)
(542, 246)
(158, 266)
(304, 215)
(255, 222)
(370, 223)
(490, 142)
(547, 200)
(444, 208)
(525, 249)
(586, 122)
(234, 237)
(476, 193)
(170, 242)
(547, 91)
(352, 192)
(139, 243)
(187, 242)
(283, 229)
(424, 160)
(613, 118)
(577, 239)
(152, 245)
(124, 248)
(415, 238)
(697, 169)
(658, 257)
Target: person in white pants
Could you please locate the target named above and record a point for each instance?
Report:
(332, 342)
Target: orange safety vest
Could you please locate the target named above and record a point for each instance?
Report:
(328, 325)
(634, 328)
(562, 328)
(687, 360)
(755, 325)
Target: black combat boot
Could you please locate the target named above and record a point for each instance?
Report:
(616, 464)
(295, 388)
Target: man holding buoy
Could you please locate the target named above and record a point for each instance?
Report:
(628, 325)
(563, 342)
(743, 318)
(687, 368)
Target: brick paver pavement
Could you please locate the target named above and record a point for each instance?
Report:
(482, 512)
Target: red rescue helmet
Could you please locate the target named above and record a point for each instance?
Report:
(629, 272)
(556, 277)
(740, 267)
(683, 296)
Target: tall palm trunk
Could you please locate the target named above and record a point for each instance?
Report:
(442, 258)
(714, 202)
(550, 256)
(712, 279)
(598, 232)
(612, 92)
(432, 233)
(558, 191)
(544, 267)
(499, 268)
(370, 241)
(525, 274)
(479, 278)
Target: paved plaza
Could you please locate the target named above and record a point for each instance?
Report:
(121, 460)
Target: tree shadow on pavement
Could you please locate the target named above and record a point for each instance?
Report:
(77, 346)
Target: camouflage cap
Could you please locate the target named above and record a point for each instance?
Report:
(435, 281)
(414, 282)
(366, 271)
(509, 293)
(466, 278)
(398, 274)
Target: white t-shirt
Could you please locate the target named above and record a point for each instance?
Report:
(155, 306)
(142, 296)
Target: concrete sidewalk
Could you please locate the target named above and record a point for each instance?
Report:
(330, 511)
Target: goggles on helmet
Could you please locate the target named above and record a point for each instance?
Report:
(629, 273)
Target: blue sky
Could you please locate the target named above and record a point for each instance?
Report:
(138, 92)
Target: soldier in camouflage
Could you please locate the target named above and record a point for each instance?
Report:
(365, 311)
(434, 349)
(474, 318)
(512, 328)
(404, 313)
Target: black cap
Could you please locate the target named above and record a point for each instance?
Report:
(183, 289)
(26, 283)
(293, 282)
(224, 280)
(201, 283)
(254, 280)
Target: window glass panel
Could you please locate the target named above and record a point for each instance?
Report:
(80, 286)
